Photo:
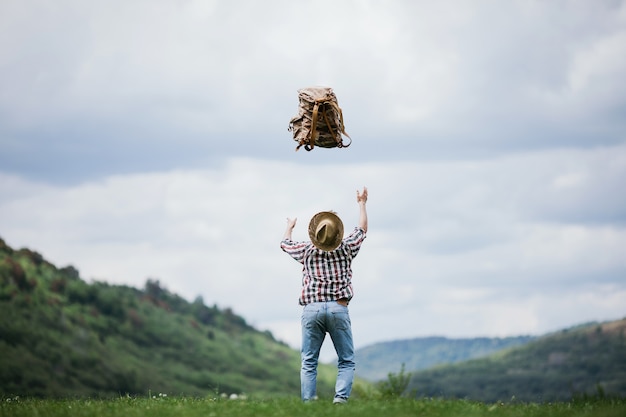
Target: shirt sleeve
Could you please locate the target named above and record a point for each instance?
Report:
(294, 249)
(355, 239)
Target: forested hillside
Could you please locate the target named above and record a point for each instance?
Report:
(581, 361)
(61, 336)
(378, 360)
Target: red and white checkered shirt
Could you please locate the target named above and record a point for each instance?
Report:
(326, 276)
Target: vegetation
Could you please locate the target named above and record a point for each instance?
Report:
(202, 407)
(62, 337)
(395, 385)
(100, 349)
(584, 361)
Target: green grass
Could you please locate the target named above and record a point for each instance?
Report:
(159, 406)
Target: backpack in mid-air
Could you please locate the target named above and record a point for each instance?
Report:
(319, 121)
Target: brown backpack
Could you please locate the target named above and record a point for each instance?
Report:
(319, 121)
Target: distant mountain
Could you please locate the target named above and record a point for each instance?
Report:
(376, 361)
(587, 360)
(63, 337)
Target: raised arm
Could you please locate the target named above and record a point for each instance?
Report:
(291, 223)
(361, 199)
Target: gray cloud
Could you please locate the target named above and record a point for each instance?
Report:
(158, 85)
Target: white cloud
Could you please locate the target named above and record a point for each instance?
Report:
(454, 248)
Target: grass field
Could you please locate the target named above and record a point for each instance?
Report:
(160, 406)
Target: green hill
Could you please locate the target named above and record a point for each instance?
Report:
(63, 337)
(378, 360)
(581, 361)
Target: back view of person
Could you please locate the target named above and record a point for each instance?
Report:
(326, 292)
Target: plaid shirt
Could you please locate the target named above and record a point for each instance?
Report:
(326, 276)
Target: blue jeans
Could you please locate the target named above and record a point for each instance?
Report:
(317, 320)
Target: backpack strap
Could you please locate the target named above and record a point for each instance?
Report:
(311, 144)
(340, 143)
(316, 106)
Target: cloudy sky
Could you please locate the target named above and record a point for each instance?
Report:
(148, 139)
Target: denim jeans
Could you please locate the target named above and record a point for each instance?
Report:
(317, 320)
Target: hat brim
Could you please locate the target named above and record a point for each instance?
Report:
(316, 220)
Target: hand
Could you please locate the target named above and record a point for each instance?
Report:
(291, 223)
(362, 196)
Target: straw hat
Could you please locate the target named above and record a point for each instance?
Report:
(326, 230)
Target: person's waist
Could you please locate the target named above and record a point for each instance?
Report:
(342, 301)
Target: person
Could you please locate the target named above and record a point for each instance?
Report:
(326, 293)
